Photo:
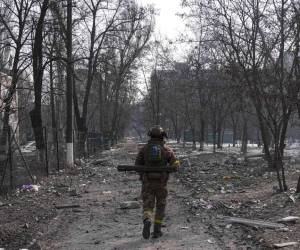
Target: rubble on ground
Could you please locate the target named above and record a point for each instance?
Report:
(216, 186)
(227, 185)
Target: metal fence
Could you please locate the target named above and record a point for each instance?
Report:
(22, 164)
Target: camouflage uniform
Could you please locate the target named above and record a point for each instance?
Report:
(154, 185)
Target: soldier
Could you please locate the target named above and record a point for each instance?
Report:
(154, 185)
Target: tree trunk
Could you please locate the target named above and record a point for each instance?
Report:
(234, 135)
(157, 119)
(36, 121)
(214, 137)
(285, 188)
(69, 88)
(298, 186)
(219, 137)
(202, 135)
(58, 102)
(223, 134)
(115, 109)
(4, 144)
(277, 168)
(81, 138)
(258, 139)
(194, 139)
(175, 129)
(281, 147)
(38, 71)
(53, 118)
(245, 138)
(183, 136)
(234, 128)
(7, 106)
(101, 126)
(52, 104)
(3, 139)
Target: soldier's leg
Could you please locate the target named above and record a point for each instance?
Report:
(161, 202)
(148, 196)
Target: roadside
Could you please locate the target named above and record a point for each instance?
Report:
(208, 187)
(223, 185)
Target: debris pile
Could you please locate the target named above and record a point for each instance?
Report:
(226, 186)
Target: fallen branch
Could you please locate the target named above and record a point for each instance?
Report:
(289, 219)
(254, 223)
(287, 244)
(254, 156)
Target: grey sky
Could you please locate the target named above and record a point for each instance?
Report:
(167, 23)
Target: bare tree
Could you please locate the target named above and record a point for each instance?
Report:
(97, 27)
(129, 42)
(15, 23)
(38, 72)
(258, 40)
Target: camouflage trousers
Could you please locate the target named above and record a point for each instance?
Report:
(154, 194)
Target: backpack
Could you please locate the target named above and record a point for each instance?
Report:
(155, 155)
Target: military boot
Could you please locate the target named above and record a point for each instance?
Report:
(146, 229)
(157, 231)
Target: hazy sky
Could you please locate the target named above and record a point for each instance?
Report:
(167, 23)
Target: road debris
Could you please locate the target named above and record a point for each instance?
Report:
(254, 223)
(292, 198)
(186, 163)
(287, 244)
(130, 205)
(208, 188)
(106, 192)
(289, 219)
(30, 188)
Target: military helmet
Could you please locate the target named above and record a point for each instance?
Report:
(157, 132)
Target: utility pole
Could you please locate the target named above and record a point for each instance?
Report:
(69, 89)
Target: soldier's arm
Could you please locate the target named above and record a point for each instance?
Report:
(172, 160)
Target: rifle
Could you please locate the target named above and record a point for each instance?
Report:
(145, 169)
